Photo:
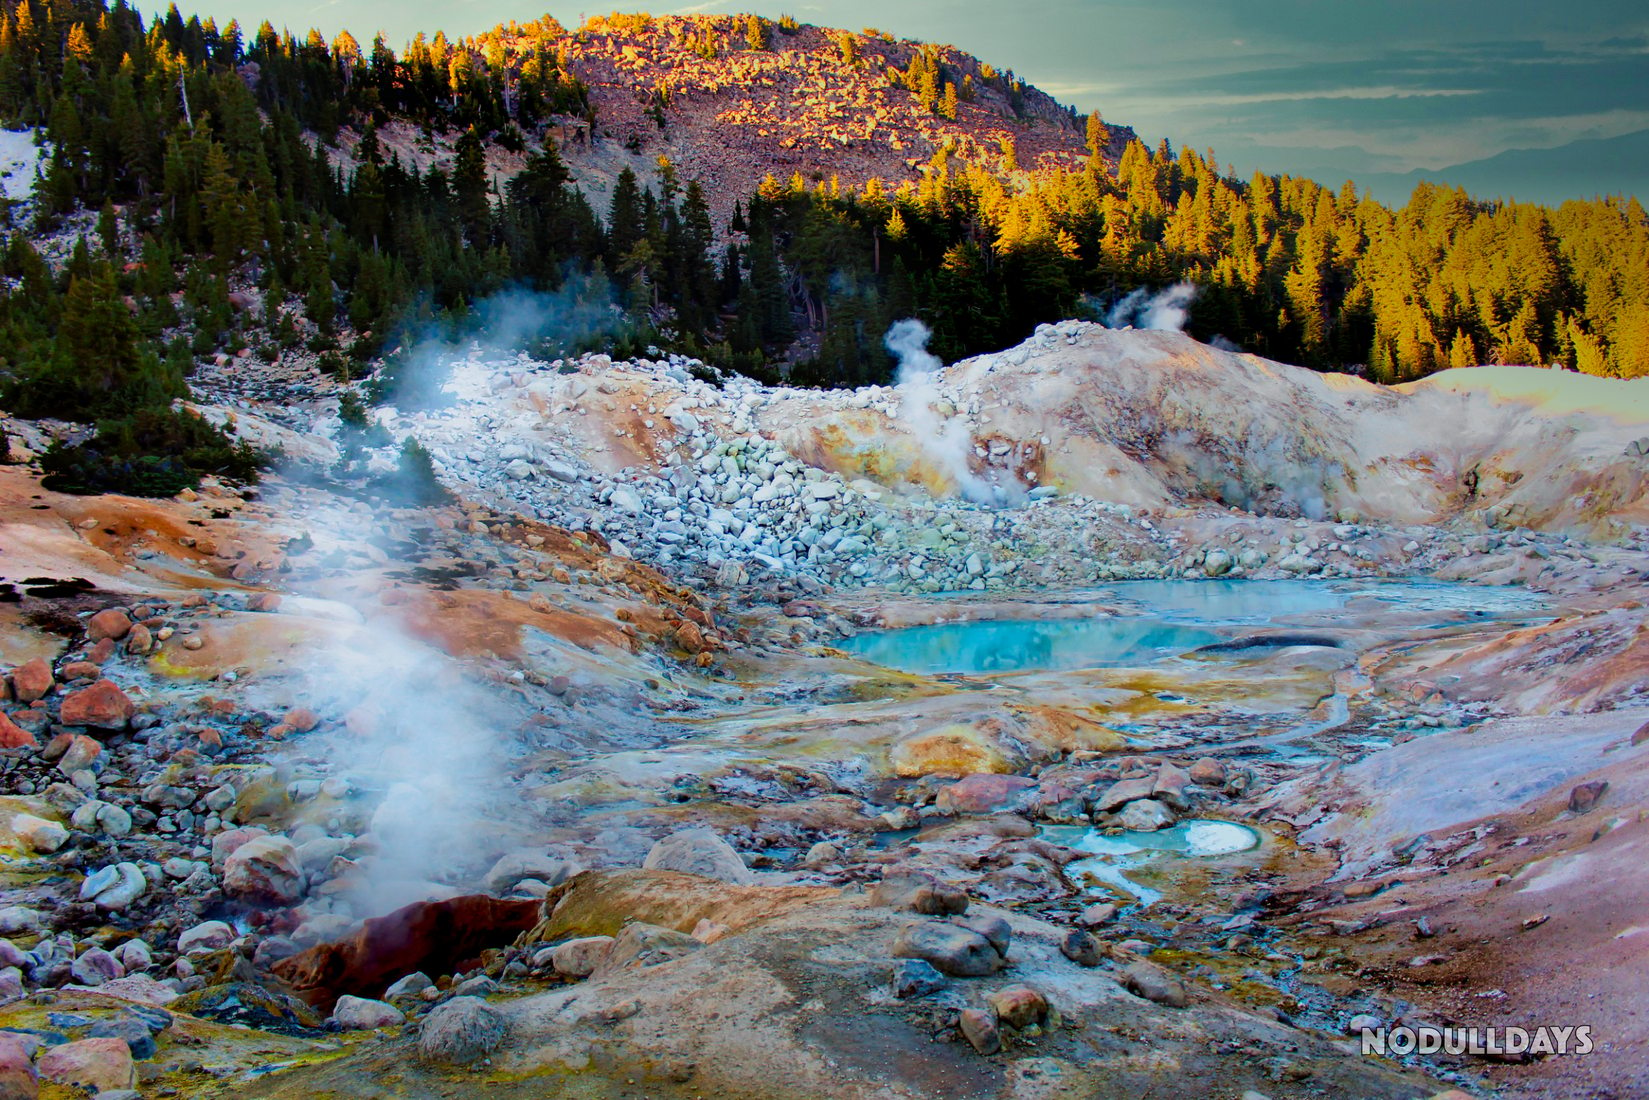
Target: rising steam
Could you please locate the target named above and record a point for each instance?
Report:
(947, 442)
(1165, 310)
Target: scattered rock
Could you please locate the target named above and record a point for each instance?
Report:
(18, 1079)
(37, 834)
(579, 958)
(96, 1065)
(1081, 948)
(114, 887)
(264, 868)
(699, 852)
(361, 1014)
(111, 623)
(1586, 795)
(916, 978)
(979, 1029)
(212, 935)
(1019, 1006)
(951, 950)
(992, 927)
(32, 681)
(1155, 984)
(102, 705)
(461, 1031)
(1145, 815)
(919, 893)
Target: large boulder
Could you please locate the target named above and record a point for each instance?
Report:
(986, 794)
(14, 736)
(102, 705)
(96, 1065)
(950, 949)
(461, 1031)
(18, 1079)
(32, 680)
(362, 1014)
(699, 852)
(264, 868)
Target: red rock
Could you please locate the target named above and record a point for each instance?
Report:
(1019, 1006)
(103, 705)
(96, 1065)
(13, 736)
(111, 622)
(979, 1029)
(691, 638)
(18, 1080)
(103, 652)
(32, 681)
(140, 641)
(301, 719)
(985, 794)
(264, 601)
(434, 937)
(81, 670)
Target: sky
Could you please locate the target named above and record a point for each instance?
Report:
(1327, 88)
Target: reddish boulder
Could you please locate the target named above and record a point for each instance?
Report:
(13, 736)
(431, 937)
(108, 623)
(986, 793)
(103, 705)
(32, 681)
(18, 1081)
(96, 1065)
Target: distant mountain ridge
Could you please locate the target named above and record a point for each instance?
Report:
(1583, 169)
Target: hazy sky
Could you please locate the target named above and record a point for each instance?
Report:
(1313, 86)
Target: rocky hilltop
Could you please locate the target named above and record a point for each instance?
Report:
(829, 105)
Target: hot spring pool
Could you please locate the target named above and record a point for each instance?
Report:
(1010, 645)
(1168, 618)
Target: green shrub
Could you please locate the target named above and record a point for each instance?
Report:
(152, 453)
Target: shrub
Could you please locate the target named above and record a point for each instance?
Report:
(152, 453)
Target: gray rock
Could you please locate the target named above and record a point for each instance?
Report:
(919, 893)
(363, 1014)
(206, 936)
(992, 927)
(114, 887)
(641, 944)
(516, 866)
(916, 978)
(1155, 984)
(579, 958)
(96, 966)
(699, 852)
(1081, 948)
(1145, 815)
(410, 986)
(1121, 793)
(461, 1031)
(951, 950)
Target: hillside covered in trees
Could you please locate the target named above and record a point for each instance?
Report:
(197, 206)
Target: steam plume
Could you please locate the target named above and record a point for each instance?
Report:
(1166, 310)
(947, 442)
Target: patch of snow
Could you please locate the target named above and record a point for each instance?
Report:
(19, 158)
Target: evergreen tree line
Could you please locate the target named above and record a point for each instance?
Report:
(207, 159)
(1284, 267)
